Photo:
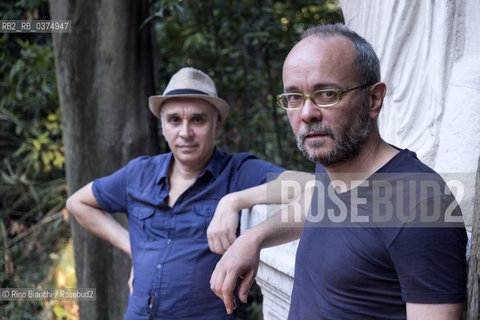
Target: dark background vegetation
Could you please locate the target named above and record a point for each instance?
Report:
(240, 44)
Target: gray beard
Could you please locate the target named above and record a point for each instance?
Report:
(346, 143)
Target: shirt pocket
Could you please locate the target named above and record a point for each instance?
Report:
(204, 211)
(205, 208)
(140, 224)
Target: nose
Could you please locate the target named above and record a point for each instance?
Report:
(310, 112)
(185, 130)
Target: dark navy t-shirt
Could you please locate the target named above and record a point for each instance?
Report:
(361, 257)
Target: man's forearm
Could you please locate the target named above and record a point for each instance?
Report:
(242, 258)
(287, 224)
(446, 311)
(284, 226)
(288, 186)
(84, 207)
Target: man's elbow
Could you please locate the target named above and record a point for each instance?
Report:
(71, 204)
(81, 201)
(78, 202)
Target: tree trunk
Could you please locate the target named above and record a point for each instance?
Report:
(105, 74)
(473, 309)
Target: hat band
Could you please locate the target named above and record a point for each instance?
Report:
(184, 91)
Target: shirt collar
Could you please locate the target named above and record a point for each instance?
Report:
(214, 166)
(216, 163)
(164, 163)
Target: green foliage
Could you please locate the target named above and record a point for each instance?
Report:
(32, 183)
(242, 45)
(29, 111)
(32, 224)
(24, 9)
(62, 275)
(253, 308)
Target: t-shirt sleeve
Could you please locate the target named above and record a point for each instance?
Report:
(251, 171)
(109, 191)
(431, 264)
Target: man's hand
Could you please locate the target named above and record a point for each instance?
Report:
(242, 258)
(221, 232)
(240, 261)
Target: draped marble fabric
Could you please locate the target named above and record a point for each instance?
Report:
(430, 58)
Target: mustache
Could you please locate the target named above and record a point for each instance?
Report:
(315, 128)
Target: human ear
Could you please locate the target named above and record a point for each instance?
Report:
(163, 128)
(217, 126)
(376, 94)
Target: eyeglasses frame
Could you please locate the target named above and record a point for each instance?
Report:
(309, 97)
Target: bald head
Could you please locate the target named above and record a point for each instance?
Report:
(366, 64)
(329, 58)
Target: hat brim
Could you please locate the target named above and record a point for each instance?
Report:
(155, 103)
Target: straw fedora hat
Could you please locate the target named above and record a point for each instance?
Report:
(190, 83)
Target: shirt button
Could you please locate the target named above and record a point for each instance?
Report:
(169, 241)
(159, 266)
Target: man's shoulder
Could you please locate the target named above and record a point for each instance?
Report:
(406, 166)
(248, 161)
(233, 158)
(147, 167)
(247, 166)
(243, 156)
(146, 160)
(406, 161)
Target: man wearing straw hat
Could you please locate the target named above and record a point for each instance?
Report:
(169, 200)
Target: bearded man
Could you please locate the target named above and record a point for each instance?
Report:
(372, 245)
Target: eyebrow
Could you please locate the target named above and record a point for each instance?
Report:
(291, 89)
(176, 114)
(318, 86)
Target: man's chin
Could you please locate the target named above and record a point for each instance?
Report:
(317, 150)
(314, 154)
(186, 155)
(187, 149)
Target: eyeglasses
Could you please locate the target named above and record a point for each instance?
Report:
(321, 98)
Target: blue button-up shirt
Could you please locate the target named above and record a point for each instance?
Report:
(170, 254)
